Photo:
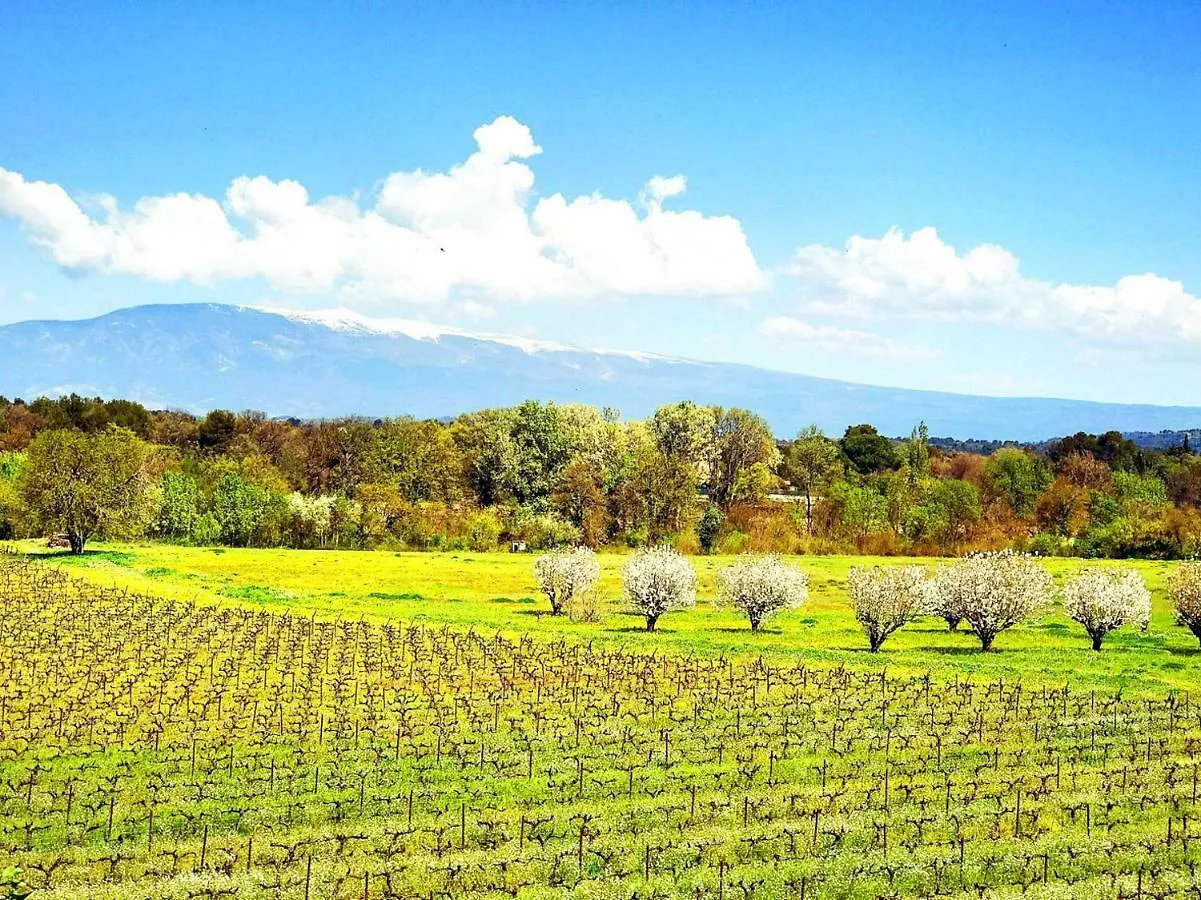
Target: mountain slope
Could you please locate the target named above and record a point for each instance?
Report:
(205, 356)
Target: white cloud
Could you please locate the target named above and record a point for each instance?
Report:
(474, 233)
(842, 340)
(659, 188)
(922, 277)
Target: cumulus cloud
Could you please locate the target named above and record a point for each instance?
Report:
(922, 277)
(476, 232)
(843, 340)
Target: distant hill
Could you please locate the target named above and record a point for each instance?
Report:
(204, 356)
(1165, 440)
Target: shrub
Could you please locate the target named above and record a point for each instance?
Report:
(761, 587)
(1102, 600)
(992, 591)
(565, 575)
(483, 530)
(1048, 545)
(709, 527)
(207, 530)
(548, 531)
(657, 581)
(637, 537)
(886, 597)
(732, 543)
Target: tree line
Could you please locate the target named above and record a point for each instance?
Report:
(988, 591)
(700, 478)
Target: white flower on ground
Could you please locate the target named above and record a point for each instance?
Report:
(565, 575)
(658, 581)
(761, 587)
(1102, 600)
(886, 597)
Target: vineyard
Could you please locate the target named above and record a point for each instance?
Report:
(154, 748)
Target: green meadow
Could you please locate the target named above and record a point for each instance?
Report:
(497, 592)
(182, 723)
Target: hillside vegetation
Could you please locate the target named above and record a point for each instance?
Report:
(702, 479)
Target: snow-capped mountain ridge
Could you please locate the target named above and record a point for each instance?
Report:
(343, 319)
(335, 363)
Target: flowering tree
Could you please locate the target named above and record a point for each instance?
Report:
(761, 587)
(657, 581)
(992, 591)
(1102, 600)
(1185, 590)
(886, 597)
(564, 575)
(944, 600)
(312, 516)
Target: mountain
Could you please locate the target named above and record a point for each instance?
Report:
(310, 365)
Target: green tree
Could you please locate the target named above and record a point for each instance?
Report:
(338, 456)
(868, 451)
(127, 414)
(864, 509)
(240, 509)
(660, 492)
(217, 431)
(86, 485)
(580, 499)
(742, 454)
(917, 454)
(708, 529)
(945, 513)
(682, 431)
(488, 455)
(1139, 494)
(179, 505)
(543, 446)
(1018, 478)
(419, 457)
(11, 465)
(811, 463)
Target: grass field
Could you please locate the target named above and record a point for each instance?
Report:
(155, 748)
(497, 592)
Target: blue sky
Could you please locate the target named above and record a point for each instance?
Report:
(928, 195)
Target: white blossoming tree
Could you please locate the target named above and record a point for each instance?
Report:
(565, 575)
(314, 515)
(992, 591)
(657, 581)
(945, 602)
(887, 597)
(762, 586)
(1185, 591)
(1102, 600)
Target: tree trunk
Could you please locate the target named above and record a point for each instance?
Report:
(986, 642)
(1097, 638)
(755, 623)
(650, 622)
(76, 541)
(952, 623)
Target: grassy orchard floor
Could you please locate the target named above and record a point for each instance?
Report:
(497, 591)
